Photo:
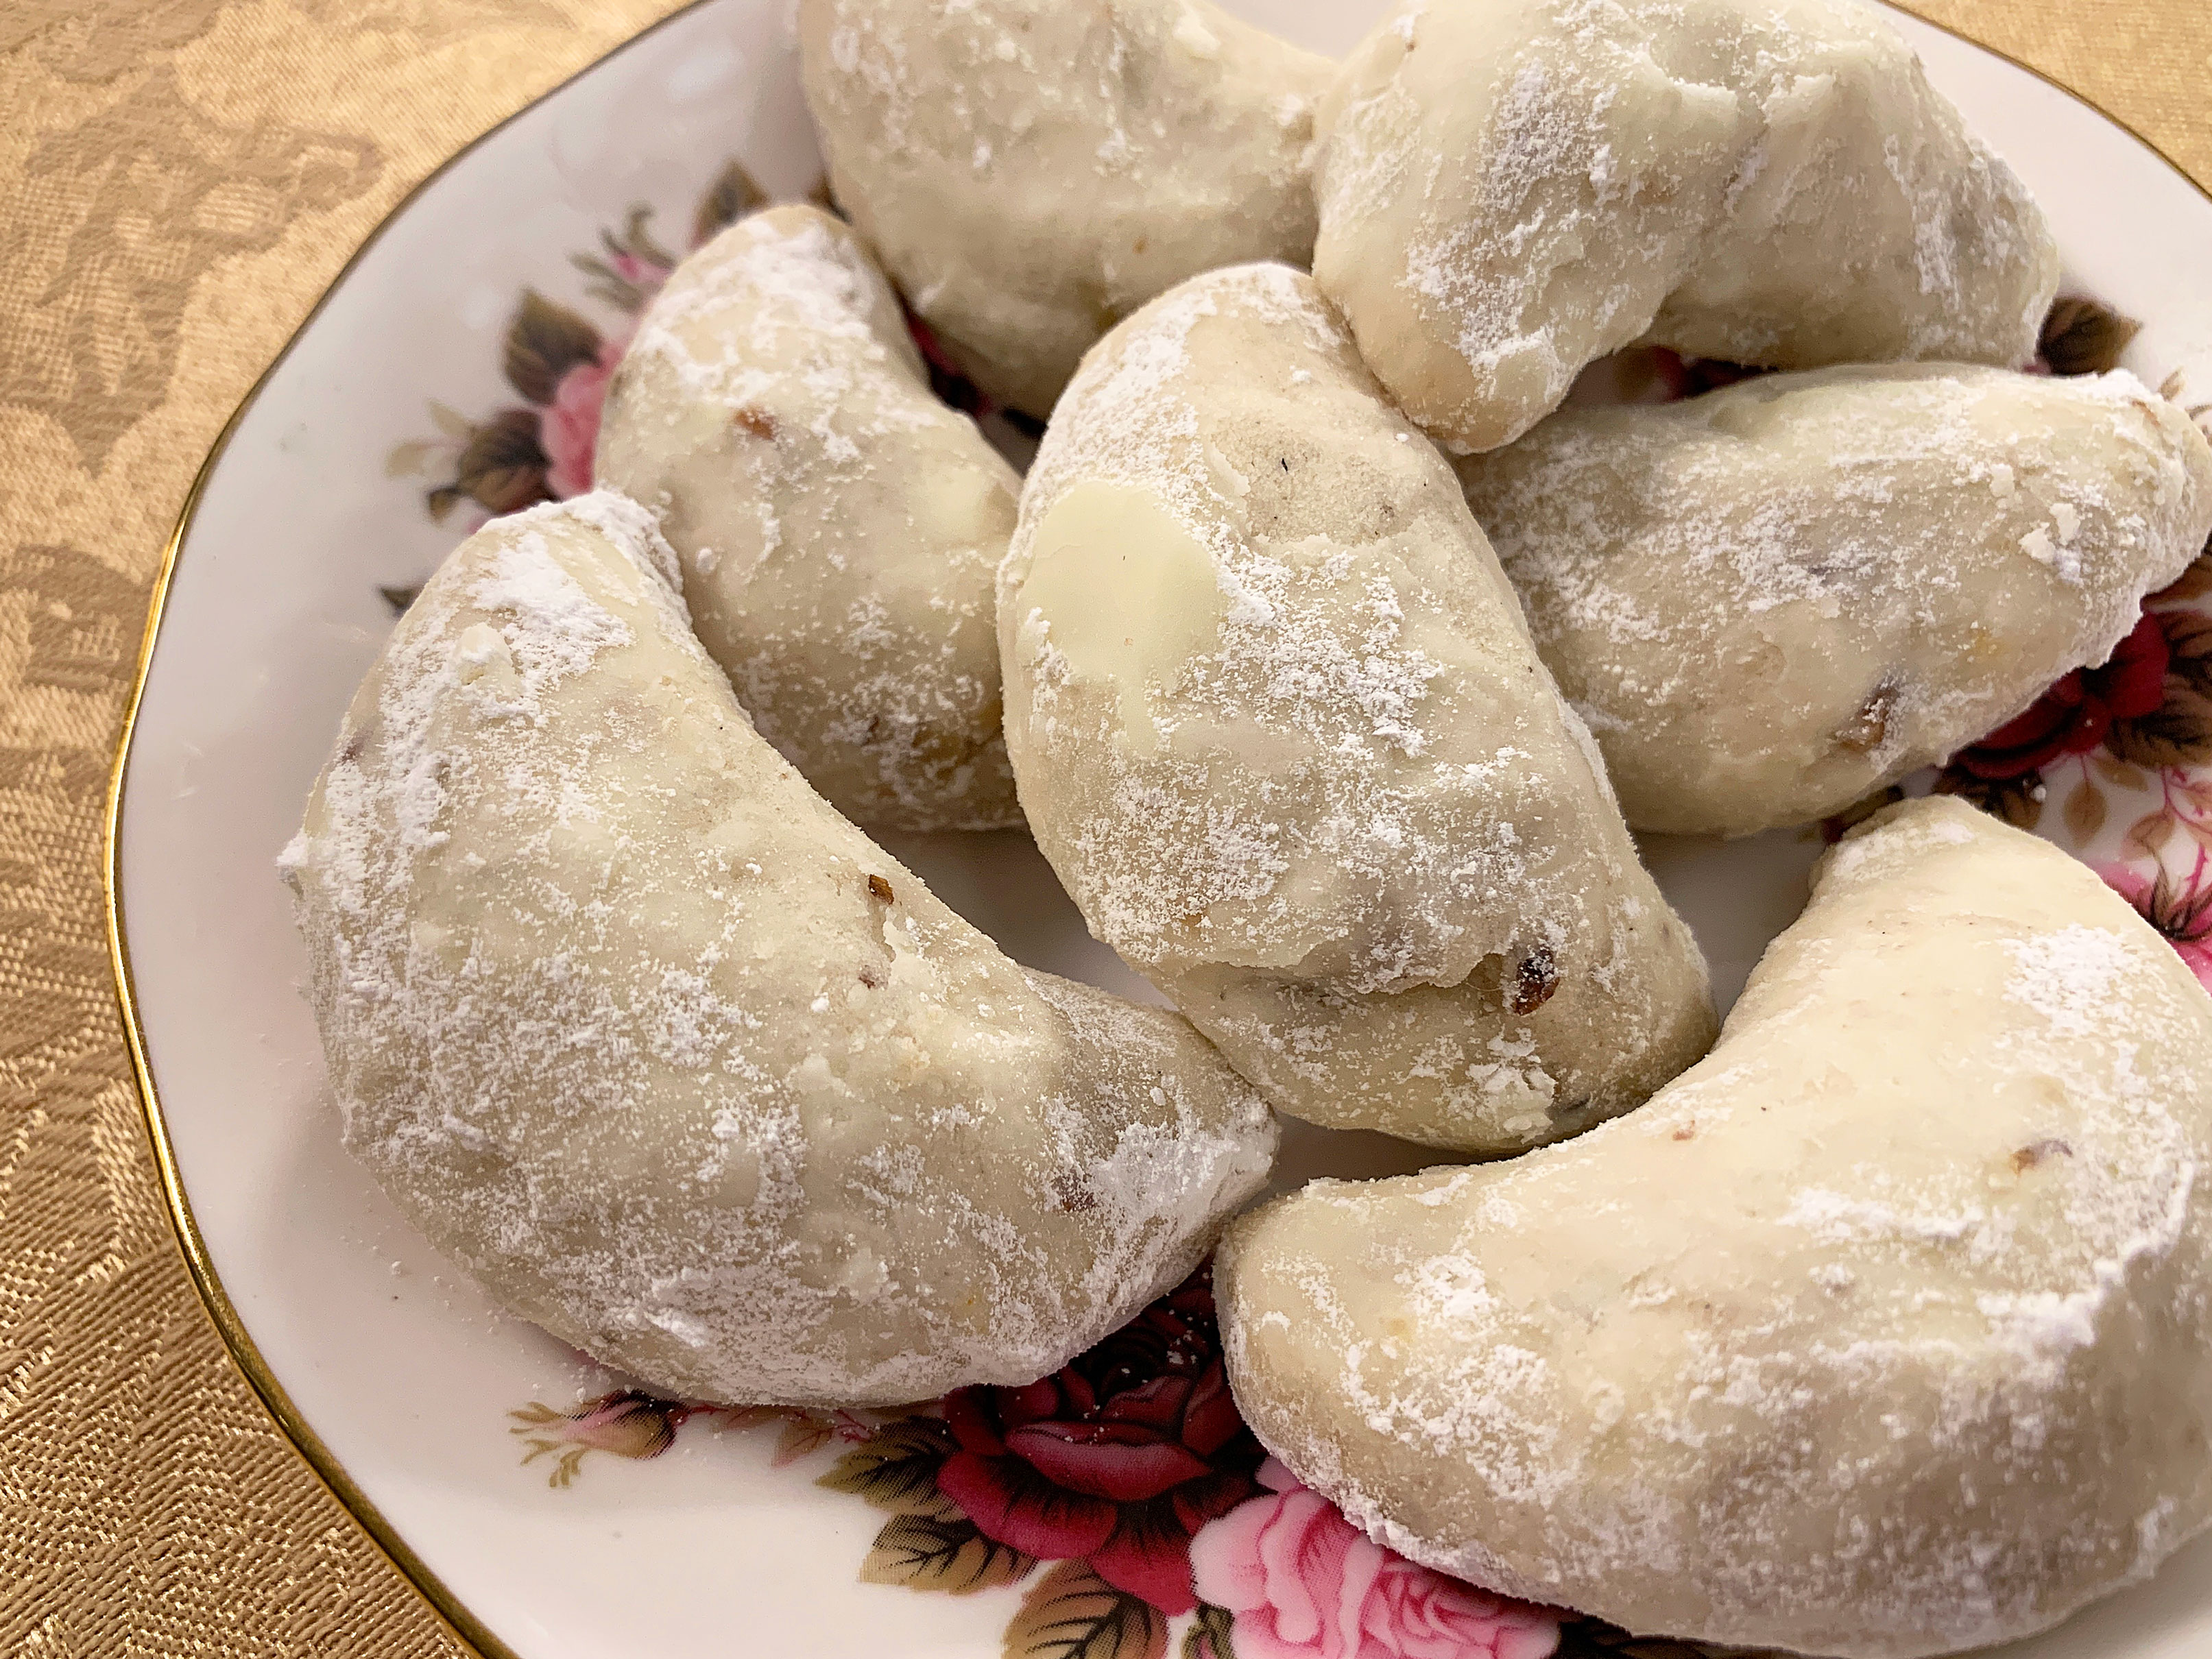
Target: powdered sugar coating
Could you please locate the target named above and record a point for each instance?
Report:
(1030, 170)
(681, 1065)
(837, 527)
(1879, 1333)
(1279, 726)
(1770, 601)
(1510, 189)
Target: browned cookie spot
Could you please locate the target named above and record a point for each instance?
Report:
(757, 422)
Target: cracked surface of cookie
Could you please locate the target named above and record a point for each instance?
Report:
(1279, 726)
(837, 525)
(1030, 171)
(681, 1065)
(1510, 189)
(1770, 601)
(1879, 1333)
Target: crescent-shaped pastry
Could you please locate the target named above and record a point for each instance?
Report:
(1279, 726)
(1770, 601)
(1511, 189)
(1880, 1333)
(675, 1060)
(838, 527)
(1031, 170)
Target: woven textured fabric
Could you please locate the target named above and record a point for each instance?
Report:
(178, 180)
(2145, 63)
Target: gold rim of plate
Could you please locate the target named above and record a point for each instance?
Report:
(458, 1620)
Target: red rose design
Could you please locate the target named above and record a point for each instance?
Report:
(945, 379)
(1692, 377)
(1116, 1458)
(2073, 717)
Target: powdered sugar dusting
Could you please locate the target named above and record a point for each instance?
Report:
(2071, 977)
(678, 1062)
(1510, 192)
(1309, 645)
(558, 629)
(837, 525)
(1879, 1331)
(1280, 731)
(1030, 171)
(1775, 598)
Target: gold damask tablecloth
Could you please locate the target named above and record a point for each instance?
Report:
(178, 180)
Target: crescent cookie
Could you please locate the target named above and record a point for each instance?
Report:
(836, 524)
(1510, 189)
(1031, 170)
(1279, 726)
(1771, 601)
(675, 1060)
(1880, 1333)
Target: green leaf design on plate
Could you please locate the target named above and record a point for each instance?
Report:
(948, 1554)
(2150, 832)
(733, 194)
(2118, 773)
(502, 467)
(2018, 801)
(450, 422)
(1073, 1613)
(1208, 1635)
(2195, 583)
(412, 458)
(2084, 336)
(544, 341)
(2085, 810)
(634, 251)
(802, 1435)
(2179, 732)
(895, 1468)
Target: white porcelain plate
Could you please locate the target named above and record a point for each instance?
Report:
(637, 1528)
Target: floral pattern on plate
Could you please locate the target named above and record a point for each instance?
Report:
(559, 361)
(1123, 1497)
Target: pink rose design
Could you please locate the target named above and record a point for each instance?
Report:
(647, 277)
(2183, 913)
(1303, 1583)
(568, 427)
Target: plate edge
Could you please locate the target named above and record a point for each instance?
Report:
(238, 1343)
